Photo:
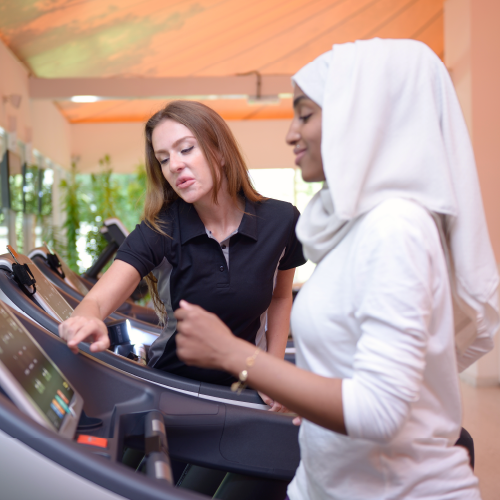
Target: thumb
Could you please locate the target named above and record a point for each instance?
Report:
(184, 304)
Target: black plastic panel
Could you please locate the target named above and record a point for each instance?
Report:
(175, 404)
(261, 445)
(219, 391)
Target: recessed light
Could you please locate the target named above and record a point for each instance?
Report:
(84, 98)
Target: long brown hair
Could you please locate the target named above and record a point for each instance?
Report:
(216, 142)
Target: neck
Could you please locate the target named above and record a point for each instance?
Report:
(222, 218)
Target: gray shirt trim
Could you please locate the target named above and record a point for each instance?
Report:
(162, 273)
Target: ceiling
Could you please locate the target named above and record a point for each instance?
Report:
(195, 39)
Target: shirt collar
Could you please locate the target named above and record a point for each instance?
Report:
(248, 224)
(191, 225)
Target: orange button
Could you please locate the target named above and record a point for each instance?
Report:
(93, 441)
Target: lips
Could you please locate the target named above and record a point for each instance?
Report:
(184, 182)
(299, 153)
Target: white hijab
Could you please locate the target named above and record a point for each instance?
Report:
(392, 128)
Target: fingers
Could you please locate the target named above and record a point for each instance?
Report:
(79, 329)
(297, 421)
(277, 407)
(184, 304)
(266, 399)
(274, 405)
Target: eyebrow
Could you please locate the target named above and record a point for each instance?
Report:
(176, 143)
(297, 100)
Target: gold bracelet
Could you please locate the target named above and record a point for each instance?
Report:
(240, 384)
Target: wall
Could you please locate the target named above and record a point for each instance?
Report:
(472, 55)
(457, 55)
(262, 143)
(485, 67)
(38, 122)
(14, 80)
(51, 132)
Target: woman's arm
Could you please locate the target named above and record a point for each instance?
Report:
(278, 315)
(203, 340)
(115, 286)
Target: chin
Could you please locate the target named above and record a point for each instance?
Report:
(192, 197)
(307, 177)
(312, 173)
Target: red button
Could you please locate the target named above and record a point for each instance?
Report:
(93, 441)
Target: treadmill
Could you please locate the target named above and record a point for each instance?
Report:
(73, 418)
(48, 307)
(60, 274)
(115, 233)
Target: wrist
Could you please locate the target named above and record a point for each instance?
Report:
(233, 361)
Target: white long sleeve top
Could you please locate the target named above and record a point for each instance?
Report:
(377, 313)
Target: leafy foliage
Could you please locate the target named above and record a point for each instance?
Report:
(98, 197)
(103, 197)
(72, 205)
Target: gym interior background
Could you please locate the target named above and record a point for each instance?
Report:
(78, 79)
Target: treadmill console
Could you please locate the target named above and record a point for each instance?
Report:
(49, 299)
(60, 267)
(33, 382)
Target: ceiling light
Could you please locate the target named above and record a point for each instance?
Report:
(84, 98)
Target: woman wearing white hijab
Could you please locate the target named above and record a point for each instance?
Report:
(405, 291)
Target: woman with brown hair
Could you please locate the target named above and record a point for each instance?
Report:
(207, 236)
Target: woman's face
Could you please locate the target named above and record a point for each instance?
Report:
(182, 161)
(304, 135)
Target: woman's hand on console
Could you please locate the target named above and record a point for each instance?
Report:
(203, 339)
(84, 328)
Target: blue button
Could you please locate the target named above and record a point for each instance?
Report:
(221, 268)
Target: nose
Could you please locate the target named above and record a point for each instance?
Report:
(176, 163)
(292, 136)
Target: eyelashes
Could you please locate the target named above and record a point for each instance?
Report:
(305, 119)
(183, 151)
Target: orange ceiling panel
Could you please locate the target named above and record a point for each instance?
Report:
(184, 38)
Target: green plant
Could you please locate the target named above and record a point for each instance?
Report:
(131, 206)
(72, 205)
(104, 197)
(89, 200)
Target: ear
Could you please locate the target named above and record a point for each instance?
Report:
(222, 161)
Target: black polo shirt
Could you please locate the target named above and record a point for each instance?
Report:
(234, 279)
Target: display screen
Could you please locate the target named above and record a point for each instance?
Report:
(37, 375)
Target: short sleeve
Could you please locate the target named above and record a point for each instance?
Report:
(293, 256)
(143, 249)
